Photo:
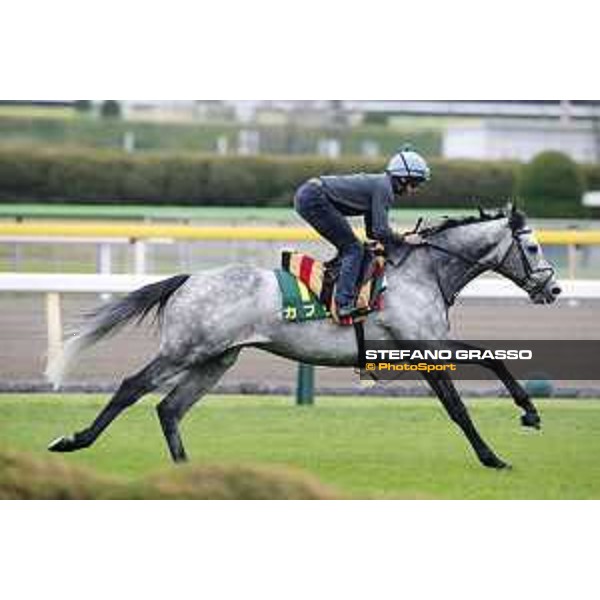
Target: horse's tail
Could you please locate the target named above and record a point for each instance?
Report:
(110, 318)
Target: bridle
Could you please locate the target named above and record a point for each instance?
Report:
(515, 249)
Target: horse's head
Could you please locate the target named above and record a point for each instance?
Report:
(501, 242)
(523, 262)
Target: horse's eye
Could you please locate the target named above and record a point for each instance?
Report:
(532, 249)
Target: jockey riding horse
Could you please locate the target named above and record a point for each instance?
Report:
(325, 202)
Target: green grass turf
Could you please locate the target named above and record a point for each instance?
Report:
(390, 448)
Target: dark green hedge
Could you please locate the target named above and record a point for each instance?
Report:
(591, 177)
(552, 180)
(106, 177)
(112, 177)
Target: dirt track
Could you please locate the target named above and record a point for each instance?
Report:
(23, 340)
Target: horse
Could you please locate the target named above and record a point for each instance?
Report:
(206, 320)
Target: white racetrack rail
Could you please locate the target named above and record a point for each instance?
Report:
(492, 288)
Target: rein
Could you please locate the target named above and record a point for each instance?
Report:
(458, 255)
(453, 253)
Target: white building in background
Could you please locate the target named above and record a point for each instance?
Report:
(176, 110)
(507, 109)
(522, 140)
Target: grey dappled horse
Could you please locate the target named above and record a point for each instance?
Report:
(207, 318)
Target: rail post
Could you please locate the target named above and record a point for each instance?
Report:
(572, 251)
(53, 325)
(572, 261)
(104, 260)
(139, 256)
(305, 389)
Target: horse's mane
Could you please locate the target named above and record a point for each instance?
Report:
(516, 219)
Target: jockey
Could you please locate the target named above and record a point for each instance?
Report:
(325, 201)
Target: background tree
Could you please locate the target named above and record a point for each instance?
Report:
(552, 184)
(83, 106)
(110, 109)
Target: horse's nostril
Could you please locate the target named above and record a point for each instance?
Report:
(556, 291)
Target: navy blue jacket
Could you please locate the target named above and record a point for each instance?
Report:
(368, 195)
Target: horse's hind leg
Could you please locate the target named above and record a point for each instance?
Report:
(130, 391)
(442, 385)
(198, 381)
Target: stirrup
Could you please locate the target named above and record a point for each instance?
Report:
(346, 311)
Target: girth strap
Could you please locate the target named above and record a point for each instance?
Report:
(359, 330)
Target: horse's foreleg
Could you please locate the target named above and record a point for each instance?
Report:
(198, 381)
(442, 385)
(531, 417)
(129, 392)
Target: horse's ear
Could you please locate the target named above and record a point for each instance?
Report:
(482, 212)
(517, 219)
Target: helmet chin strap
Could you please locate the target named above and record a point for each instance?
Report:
(398, 185)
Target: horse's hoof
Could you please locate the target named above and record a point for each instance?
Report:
(531, 420)
(62, 444)
(493, 462)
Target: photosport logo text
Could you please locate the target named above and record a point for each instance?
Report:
(555, 359)
(426, 367)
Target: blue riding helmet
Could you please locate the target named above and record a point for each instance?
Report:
(408, 164)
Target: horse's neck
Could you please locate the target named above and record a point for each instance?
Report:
(472, 250)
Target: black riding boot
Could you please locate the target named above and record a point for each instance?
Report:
(345, 294)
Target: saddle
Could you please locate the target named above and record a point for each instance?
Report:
(308, 285)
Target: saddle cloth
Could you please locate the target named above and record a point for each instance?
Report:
(308, 286)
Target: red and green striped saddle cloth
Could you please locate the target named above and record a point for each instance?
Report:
(308, 286)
